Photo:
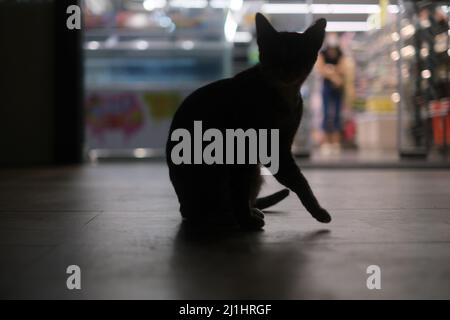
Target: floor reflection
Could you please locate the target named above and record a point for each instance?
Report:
(221, 264)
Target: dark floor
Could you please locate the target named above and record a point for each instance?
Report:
(119, 223)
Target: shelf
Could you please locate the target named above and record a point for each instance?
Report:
(153, 33)
(148, 86)
(146, 47)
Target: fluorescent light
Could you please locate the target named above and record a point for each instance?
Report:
(301, 8)
(285, 8)
(187, 45)
(345, 8)
(196, 4)
(219, 4)
(93, 45)
(142, 45)
(140, 153)
(150, 5)
(243, 37)
(347, 26)
(236, 5)
(230, 27)
(98, 7)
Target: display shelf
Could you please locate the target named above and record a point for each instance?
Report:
(424, 76)
(160, 33)
(144, 47)
(149, 86)
(136, 77)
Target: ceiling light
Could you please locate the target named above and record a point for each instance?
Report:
(347, 26)
(150, 5)
(285, 8)
(236, 5)
(301, 8)
(219, 4)
(195, 4)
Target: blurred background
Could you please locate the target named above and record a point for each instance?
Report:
(110, 89)
(103, 96)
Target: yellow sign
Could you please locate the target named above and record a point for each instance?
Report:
(380, 104)
(383, 12)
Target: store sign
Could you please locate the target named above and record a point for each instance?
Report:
(127, 120)
(113, 112)
(383, 12)
(379, 20)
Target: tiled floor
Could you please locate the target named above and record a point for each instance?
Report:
(120, 224)
(375, 158)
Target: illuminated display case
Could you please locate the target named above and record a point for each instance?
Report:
(143, 57)
(423, 62)
(140, 62)
(404, 81)
(377, 90)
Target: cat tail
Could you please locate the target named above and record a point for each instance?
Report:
(265, 202)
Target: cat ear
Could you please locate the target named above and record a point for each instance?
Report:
(316, 33)
(264, 29)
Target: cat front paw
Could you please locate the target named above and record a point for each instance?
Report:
(321, 215)
(252, 221)
(256, 212)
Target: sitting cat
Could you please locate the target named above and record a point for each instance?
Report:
(266, 96)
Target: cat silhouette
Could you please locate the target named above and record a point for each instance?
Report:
(265, 96)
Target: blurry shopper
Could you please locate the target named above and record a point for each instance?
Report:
(330, 65)
(348, 132)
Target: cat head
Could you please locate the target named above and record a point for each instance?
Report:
(288, 57)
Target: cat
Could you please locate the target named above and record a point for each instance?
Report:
(265, 96)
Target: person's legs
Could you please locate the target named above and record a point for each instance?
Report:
(336, 134)
(326, 92)
(337, 112)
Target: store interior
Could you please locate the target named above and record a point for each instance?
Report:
(84, 118)
(141, 58)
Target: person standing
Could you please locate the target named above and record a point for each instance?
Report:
(330, 65)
